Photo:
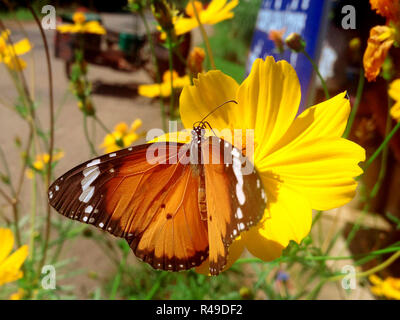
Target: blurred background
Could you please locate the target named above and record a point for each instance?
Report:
(116, 64)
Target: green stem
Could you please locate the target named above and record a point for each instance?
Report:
(33, 217)
(323, 83)
(204, 35)
(171, 69)
(117, 279)
(85, 129)
(102, 125)
(156, 285)
(378, 183)
(157, 70)
(373, 270)
(354, 110)
(382, 146)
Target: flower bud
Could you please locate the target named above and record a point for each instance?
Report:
(295, 42)
(195, 61)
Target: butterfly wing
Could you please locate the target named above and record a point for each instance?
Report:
(235, 198)
(152, 204)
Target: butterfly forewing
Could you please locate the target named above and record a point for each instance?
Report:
(152, 204)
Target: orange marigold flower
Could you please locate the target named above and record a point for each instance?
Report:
(277, 37)
(380, 40)
(389, 9)
(195, 60)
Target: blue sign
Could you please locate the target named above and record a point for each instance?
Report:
(305, 17)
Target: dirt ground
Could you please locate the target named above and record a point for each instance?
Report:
(112, 107)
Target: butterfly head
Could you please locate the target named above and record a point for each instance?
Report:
(198, 131)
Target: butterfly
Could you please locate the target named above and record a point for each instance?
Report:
(175, 204)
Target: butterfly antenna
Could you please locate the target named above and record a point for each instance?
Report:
(206, 122)
(212, 111)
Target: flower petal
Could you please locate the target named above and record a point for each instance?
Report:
(287, 217)
(235, 251)
(269, 99)
(21, 47)
(395, 111)
(15, 63)
(320, 169)
(10, 268)
(314, 160)
(6, 243)
(208, 92)
(394, 90)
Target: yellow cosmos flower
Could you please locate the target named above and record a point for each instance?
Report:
(17, 295)
(10, 265)
(122, 137)
(41, 162)
(164, 89)
(380, 40)
(9, 53)
(394, 92)
(81, 26)
(217, 11)
(303, 161)
(389, 288)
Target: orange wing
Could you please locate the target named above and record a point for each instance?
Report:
(235, 198)
(153, 206)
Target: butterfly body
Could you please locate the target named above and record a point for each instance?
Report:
(177, 205)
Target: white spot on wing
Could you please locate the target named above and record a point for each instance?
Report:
(57, 188)
(93, 163)
(241, 226)
(112, 154)
(101, 224)
(86, 195)
(85, 219)
(88, 209)
(239, 213)
(237, 170)
(90, 174)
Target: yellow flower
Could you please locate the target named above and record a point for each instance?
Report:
(164, 89)
(122, 137)
(389, 9)
(9, 53)
(389, 288)
(303, 161)
(81, 26)
(17, 295)
(380, 40)
(41, 161)
(10, 265)
(394, 92)
(217, 11)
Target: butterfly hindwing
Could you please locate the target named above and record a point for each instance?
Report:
(235, 198)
